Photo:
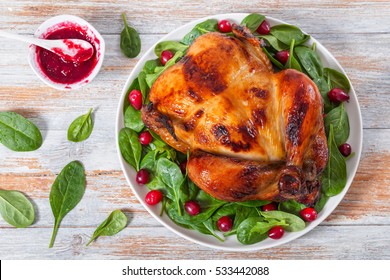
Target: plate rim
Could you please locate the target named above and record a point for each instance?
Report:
(288, 237)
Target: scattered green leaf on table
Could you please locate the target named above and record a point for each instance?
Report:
(130, 41)
(81, 128)
(16, 209)
(18, 133)
(66, 192)
(110, 226)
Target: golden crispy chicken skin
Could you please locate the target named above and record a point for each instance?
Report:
(252, 133)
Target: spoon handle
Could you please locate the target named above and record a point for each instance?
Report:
(27, 39)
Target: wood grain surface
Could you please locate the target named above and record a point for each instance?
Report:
(357, 33)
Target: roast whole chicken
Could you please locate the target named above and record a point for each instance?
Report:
(251, 133)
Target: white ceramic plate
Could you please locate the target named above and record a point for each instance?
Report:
(231, 243)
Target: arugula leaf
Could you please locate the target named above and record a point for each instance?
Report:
(81, 128)
(18, 133)
(115, 222)
(66, 192)
(16, 209)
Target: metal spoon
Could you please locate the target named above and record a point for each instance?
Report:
(69, 49)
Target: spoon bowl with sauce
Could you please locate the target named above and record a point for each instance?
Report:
(55, 67)
(68, 49)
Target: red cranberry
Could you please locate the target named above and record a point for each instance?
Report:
(270, 207)
(142, 177)
(153, 197)
(224, 26)
(308, 214)
(264, 28)
(345, 149)
(135, 98)
(192, 208)
(225, 223)
(183, 167)
(145, 138)
(282, 56)
(276, 232)
(165, 56)
(337, 95)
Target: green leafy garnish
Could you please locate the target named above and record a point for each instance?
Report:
(16, 209)
(130, 40)
(18, 133)
(66, 192)
(116, 222)
(81, 128)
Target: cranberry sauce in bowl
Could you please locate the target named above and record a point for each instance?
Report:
(58, 72)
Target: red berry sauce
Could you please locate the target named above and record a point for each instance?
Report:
(62, 71)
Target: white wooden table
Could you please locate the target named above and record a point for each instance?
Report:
(356, 32)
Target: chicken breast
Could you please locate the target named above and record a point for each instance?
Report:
(251, 133)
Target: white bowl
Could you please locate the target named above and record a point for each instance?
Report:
(231, 243)
(57, 23)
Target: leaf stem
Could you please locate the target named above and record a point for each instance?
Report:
(55, 230)
(90, 241)
(124, 18)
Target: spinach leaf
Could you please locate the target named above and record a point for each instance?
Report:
(133, 120)
(170, 174)
(130, 147)
(188, 191)
(173, 46)
(16, 209)
(292, 62)
(310, 61)
(253, 21)
(110, 226)
(130, 41)
(149, 160)
(126, 102)
(150, 65)
(19, 134)
(293, 222)
(151, 78)
(286, 33)
(206, 228)
(275, 43)
(338, 118)
(248, 232)
(66, 192)
(321, 203)
(209, 25)
(337, 79)
(229, 209)
(273, 59)
(81, 128)
(143, 85)
(291, 206)
(334, 177)
(254, 203)
(323, 87)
